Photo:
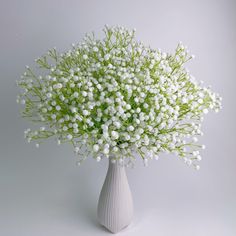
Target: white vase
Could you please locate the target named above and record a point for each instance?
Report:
(115, 205)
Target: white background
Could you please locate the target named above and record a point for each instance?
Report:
(42, 192)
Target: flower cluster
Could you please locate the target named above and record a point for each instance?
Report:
(114, 97)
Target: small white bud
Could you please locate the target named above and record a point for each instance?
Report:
(106, 57)
(197, 167)
(85, 112)
(95, 148)
(95, 49)
(130, 128)
(195, 139)
(106, 151)
(76, 94)
(199, 158)
(58, 108)
(84, 93)
(22, 101)
(115, 135)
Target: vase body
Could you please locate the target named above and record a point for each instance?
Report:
(115, 205)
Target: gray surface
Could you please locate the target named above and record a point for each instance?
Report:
(44, 193)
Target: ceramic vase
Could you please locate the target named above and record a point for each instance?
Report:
(115, 205)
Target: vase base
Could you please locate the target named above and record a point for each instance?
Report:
(115, 231)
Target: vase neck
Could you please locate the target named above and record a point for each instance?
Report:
(115, 165)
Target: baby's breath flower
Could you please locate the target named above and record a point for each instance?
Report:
(115, 97)
(85, 57)
(95, 148)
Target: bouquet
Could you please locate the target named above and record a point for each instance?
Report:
(117, 98)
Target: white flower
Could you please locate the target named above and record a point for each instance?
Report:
(115, 149)
(199, 158)
(49, 95)
(62, 97)
(73, 109)
(117, 124)
(65, 128)
(195, 139)
(197, 167)
(57, 86)
(95, 49)
(145, 105)
(127, 137)
(184, 100)
(200, 101)
(114, 134)
(75, 125)
(107, 56)
(75, 131)
(85, 112)
(78, 117)
(106, 151)
(76, 94)
(84, 93)
(58, 108)
(95, 148)
(128, 107)
(115, 97)
(130, 128)
(53, 116)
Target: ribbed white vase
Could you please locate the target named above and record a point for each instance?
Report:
(115, 205)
